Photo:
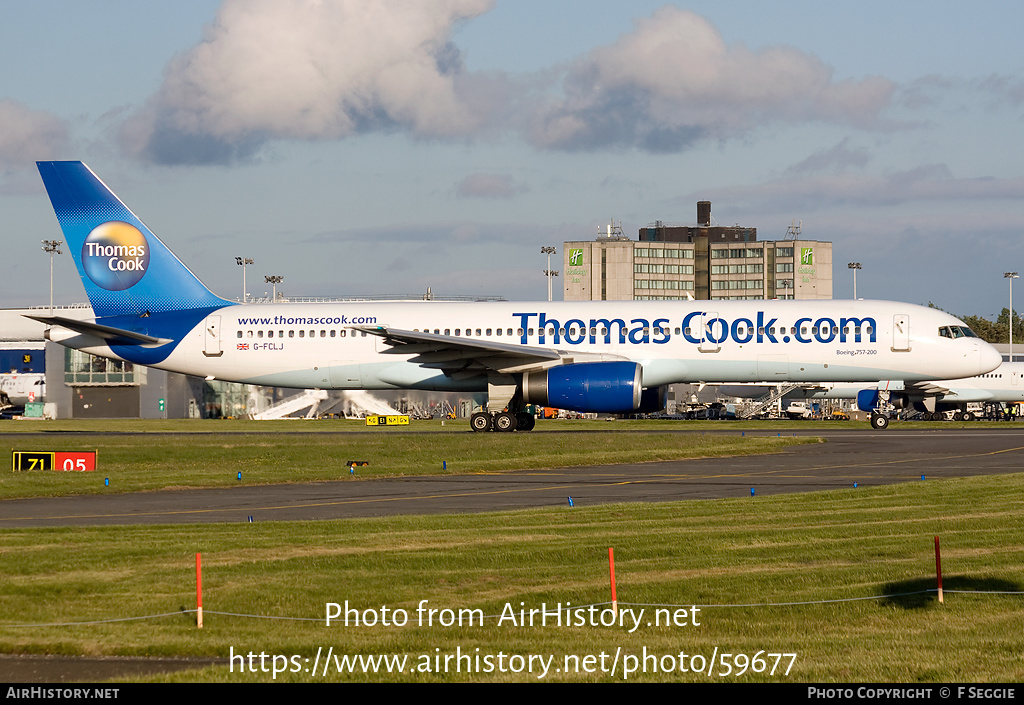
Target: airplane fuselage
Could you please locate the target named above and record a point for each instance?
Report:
(317, 345)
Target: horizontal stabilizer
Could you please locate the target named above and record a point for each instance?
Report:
(113, 336)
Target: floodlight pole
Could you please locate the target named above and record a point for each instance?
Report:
(1011, 276)
(854, 266)
(274, 279)
(548, 272)
(53, 248)
(242, 261)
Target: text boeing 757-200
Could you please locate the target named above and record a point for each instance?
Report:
(615, 357)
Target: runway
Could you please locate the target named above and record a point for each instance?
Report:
(861, 456)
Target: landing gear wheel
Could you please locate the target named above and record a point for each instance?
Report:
(505, 422)
(879, 422)
(525, 422)
(480, 421)
(968, 416)
(958, 416)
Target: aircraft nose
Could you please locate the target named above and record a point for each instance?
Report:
(989, 358)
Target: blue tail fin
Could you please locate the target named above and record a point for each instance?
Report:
(125, 268)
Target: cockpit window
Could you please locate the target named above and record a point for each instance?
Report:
(957, 332)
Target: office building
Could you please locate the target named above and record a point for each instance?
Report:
(701, 261)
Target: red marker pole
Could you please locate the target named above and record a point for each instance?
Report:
(611, 570)
(938, 567)
(199, 588)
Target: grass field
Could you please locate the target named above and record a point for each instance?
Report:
(820, 587)
(781, 574)
(157, 455)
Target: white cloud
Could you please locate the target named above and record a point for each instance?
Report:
(305, 70)
(674, 81)
(928, 183)
(489, 186)
(28, 135)
(312, 71)
(836, 159)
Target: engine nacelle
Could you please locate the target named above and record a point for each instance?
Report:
(653, 400)
(867, 399)
(604, 387)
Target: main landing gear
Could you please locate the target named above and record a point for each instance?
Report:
(505, 421)
(504, 393)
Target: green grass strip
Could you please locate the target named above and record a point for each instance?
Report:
(801, 563)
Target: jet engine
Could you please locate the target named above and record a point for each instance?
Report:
(653, 399)
(867, 399)
(604, 387)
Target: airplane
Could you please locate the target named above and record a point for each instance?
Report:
(603, 356)
(1003, 384)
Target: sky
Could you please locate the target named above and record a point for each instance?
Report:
(359, 148)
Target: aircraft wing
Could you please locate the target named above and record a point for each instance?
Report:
(927, 389)
(466, 356)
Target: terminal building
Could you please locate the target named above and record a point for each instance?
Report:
(702, 261)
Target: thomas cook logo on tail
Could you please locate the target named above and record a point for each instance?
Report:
(115, 256)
